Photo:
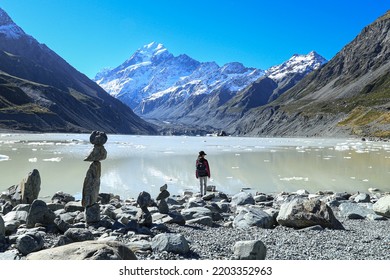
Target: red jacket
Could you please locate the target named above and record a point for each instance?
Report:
(205, 162)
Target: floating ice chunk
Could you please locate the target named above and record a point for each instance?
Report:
(4, 157)
(57, 159)
(235, 167)
(347, 157)
(342, 148)
(306, 179)
(33, 159)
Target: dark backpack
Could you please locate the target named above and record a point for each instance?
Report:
(201, 168)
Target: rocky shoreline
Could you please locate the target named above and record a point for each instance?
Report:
(283, 226)
(243, 226)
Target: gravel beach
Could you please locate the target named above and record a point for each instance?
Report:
(291, 226)
(361, 240)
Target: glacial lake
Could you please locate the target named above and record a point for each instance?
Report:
(144, 163)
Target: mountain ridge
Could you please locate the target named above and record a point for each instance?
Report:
(201, 90)
(350, 95)
(36, 84)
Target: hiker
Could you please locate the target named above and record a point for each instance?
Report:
(202, 172)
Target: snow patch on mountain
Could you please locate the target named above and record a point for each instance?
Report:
(296, 64)
(8, 27)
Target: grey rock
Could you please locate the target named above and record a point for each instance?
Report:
(382, 206)
(253, 216)
(16, 215)
(73, 206)
(108, 210)
(98, 153)
(9, 255)
(352, 210)
(164, 194)
(250, 250)
(39, 214)
(362, 197)
(171, 218)
(2, 226)
(207, 221)
(302, 212)
(140, 245)
(340, 196)
(144, 200)
(98, 138)
(29, 242)
(260, 198)
(163, 188)
(87, 250)
(144, 217)
(208, 197)
(242, 198)
(196, 212)
(170, 242)
(6, 208)
(91, 184)
(78, 234)
(30, 187)
(3, 244)
(62, 225)
(11, 226)
(92, 214)
(62, 198)
(163, 207)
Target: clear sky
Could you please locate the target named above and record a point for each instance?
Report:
(93, 34)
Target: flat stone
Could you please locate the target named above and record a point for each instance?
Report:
(87, 250)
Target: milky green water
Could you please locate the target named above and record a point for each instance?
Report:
(144, 163)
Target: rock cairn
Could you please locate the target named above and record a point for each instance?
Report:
(144, 217)
(92, 179)
(161, 198)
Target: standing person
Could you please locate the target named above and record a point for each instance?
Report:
(202, 172)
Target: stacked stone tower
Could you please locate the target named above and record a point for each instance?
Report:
(91, 185)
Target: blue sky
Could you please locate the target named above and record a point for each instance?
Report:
(92, 34)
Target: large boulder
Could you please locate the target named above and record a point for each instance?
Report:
(250, 250)
(242, 198)
(352, 210)
(170, 242)
(29, 242)
(252, 216)
(87, 250)
(196, 212)
(39, 213)
(382, 206)
(30, 187)
(301, 212)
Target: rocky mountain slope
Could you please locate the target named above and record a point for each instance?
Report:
(39, 91)
(181, 92)
(348, 95)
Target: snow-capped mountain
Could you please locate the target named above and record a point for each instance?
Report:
(302, 64)
(8, 27)
(149, 70)
(153, 73)
(178, 89)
